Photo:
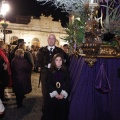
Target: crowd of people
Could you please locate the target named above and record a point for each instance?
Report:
(16, 65)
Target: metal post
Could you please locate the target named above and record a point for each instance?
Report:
(4, 25)
(4, 32)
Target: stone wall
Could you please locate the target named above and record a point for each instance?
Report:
(36, 31)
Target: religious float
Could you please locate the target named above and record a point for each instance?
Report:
(94, 40)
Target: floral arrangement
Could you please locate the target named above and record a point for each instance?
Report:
(111, 23)
(76, 29)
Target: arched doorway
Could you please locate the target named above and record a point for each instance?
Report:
(35, 42)
(57, 43)
(13, 39)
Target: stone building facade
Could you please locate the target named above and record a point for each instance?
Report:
(36, 31)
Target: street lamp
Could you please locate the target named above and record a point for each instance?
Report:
(4, 24)
(4, 8)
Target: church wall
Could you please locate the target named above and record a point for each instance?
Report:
(37, 29)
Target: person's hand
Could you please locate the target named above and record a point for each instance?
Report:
(61, 96)
(57, 96)
(39, 69)
(5, 66)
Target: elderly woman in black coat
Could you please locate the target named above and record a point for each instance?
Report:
(21, 76)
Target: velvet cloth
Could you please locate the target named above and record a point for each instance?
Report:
(95, 91)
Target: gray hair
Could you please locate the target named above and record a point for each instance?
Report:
(19, 52)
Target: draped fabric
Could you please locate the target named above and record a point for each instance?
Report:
(102, 83)
(75, 73)
(89, 103)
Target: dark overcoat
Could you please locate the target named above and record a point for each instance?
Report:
(21, 75)
(56, 109)
(44, 58)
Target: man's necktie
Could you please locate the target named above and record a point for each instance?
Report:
(51, 51)
(51, 54)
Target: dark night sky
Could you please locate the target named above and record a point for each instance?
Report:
(34, 8)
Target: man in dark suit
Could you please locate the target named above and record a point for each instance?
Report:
(44, 57)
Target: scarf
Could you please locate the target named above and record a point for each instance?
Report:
(3, 55)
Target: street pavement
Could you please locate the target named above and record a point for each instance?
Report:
(32, 102)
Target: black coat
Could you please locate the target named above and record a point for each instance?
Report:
(12, 53)
(55, 109)
(44, 58)
(59, 75)
(28, 56)
(21, 75)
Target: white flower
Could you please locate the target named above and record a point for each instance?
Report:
(78, 18)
